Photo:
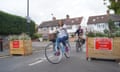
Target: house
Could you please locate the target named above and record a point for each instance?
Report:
(100, 23)
(71, 24)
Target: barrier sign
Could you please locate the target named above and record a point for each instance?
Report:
(15, 44)
(103, 44)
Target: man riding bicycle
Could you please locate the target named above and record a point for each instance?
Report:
(79, 32)
(80, 38)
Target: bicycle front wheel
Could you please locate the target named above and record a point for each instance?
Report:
(52, 55)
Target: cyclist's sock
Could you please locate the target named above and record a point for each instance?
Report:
(57, 53)
(66, 49)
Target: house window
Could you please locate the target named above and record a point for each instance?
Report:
(98, 25)
(45, 29)
(103, 26)
(72, 21)
(117, 24)
(94, 20)
(51, 28)
(102, 17)
(69, 27)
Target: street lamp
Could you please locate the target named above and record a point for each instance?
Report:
(28, 18)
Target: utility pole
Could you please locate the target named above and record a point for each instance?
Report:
(28, 18)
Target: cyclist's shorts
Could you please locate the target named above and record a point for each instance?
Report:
(63, 39)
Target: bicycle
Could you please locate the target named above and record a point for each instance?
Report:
(54, 51)
(79, 43)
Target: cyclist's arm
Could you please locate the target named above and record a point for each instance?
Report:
(82, 32)
(76, 32)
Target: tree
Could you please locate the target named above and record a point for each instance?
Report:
(111, 26)
(115, 6)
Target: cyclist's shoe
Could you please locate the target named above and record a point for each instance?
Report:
(66, 49)
(57, 53)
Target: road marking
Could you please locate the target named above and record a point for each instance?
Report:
(36, 62)
(39, 61)
(4, 56)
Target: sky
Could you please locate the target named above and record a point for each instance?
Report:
(41, 10)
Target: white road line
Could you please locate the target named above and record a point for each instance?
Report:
(36, 62)
(39, 61)
(4, 56)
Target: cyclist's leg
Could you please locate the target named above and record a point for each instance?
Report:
(81, 42)
(67, 47)
(64, 40)
(60, 41)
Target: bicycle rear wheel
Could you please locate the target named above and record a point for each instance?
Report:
(67, 50)
(77, 46)
(51, 55)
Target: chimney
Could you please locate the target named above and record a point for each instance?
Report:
(54, 18)
(67, 16)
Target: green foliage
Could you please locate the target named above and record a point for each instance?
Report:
(36, 35)
(22, 36)
(11, 24)
(115, 6)
(106, 31)
(111, 26)
(118, 34)
(100, 35)
(72, 35)
(114, 31)
(91, 34)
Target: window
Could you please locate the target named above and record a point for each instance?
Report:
(72, 21)
(102, 26)
(51, 28)
(45, 28)
(69, 27)
(94, 20)
(117, 24)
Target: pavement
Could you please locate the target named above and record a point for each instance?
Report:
(4, 53)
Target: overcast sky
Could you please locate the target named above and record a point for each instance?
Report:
(41, 10)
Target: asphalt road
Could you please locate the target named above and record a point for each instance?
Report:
(38, 63)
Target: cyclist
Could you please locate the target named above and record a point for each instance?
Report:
(79, 33)
(62, 34)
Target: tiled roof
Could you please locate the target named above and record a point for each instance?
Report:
(102, 19)
(97, 19)
(115, 17)
(70, 21)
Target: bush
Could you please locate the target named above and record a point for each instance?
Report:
(100, 35)
(12, 24)
(36, 35)
(106, 31)
(22, 36)
(91, 34)
(118, 34)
